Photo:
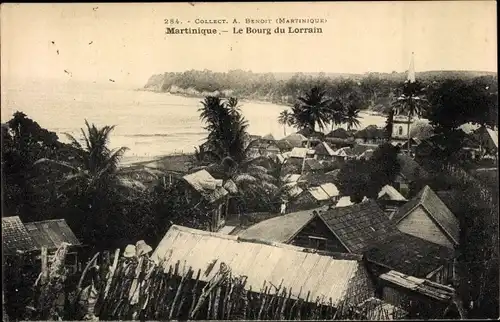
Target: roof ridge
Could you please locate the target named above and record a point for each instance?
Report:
(44, 221)
(260, 241)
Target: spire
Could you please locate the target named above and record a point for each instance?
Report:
(411, 70)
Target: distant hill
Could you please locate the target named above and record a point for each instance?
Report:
(283, 88)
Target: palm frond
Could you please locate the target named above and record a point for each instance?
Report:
(61, 164)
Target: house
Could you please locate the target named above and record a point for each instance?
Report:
(371, 135)
(412, 256)
(173, 166)
(410, 171)
(427, 217)
(313, 197)
(414, 143)
(296, 140)
(324, 152)
(268, 138)
(208, 195)
(281, 228)
(425, 298)
(349, 229)
(317, 179)
(313, 166)
(284, 145)
(488, 140)
(450, 199)
(15, 237)
(390, 199)
(362, 150)
(301, 153)
(297, 156)
(339, 133)
(20, 238)
(338, 278)
(51, 234)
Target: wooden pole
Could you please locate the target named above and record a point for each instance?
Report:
(45, 268)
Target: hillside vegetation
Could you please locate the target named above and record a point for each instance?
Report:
(377, 89)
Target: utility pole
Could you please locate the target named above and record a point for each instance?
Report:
(305, 156)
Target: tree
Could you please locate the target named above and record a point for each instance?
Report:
(360, 178)
(25, 188)
(389, 124)
(313, 108)
(351, 115)
(286, 119)
(93, 185)
(226, 151)
(410, 101)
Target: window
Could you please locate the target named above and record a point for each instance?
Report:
(318, 243)
(400, 130)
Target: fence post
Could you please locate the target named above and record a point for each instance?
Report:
(44, 268)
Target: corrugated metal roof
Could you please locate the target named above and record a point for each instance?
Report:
(437, 210)
(318, 193)
(201, 180)
(295, 191)
(281, 228)
(51, 233)
(15, 237)
(207, 185)
(330, 189)
(274, 263)
(300, 152)
(391, 193)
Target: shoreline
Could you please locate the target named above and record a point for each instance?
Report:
(243, 99)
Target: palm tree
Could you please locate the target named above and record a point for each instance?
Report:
(286, 119)
(312, 108)
(93, 182)
(410, 101)
(351, 116)
(227, 149)
(96, 166)
(336, 112)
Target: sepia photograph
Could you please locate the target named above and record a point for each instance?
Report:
(249, 161)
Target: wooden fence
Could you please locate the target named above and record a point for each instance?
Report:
(118, 288)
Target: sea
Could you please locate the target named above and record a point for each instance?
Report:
(149, 124)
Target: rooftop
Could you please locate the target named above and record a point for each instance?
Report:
(409, 254)
(425, 287)
(15, 237)
(281, 228)
(436, 208)
(390, 193)
(410, 169)
(51, 233)
(263, 263)
(358, 226)
(206, 185)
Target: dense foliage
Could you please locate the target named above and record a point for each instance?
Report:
(376, 89)
(364, 178)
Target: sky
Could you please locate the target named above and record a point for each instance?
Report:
(127, 43)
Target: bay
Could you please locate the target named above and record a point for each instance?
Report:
(150, 124)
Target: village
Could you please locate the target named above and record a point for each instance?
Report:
(321, 254)
(348, 224)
